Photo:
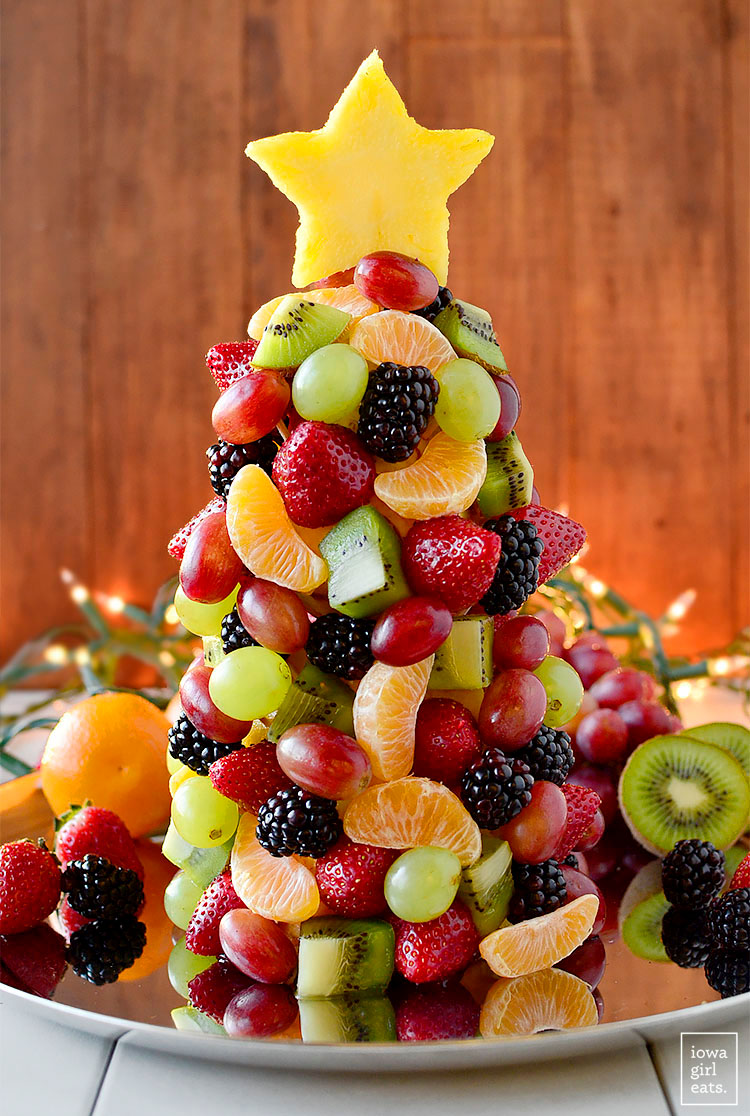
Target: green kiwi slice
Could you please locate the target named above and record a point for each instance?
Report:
(509, 480)
(641, 930)
(464, 660)
(471, 333)
(348, 1018)
(486, 887)
(732, 859)
(189, 1018)
(363, 553)
(732, 738)
(340, 955)
(297, 328)
(674, 788)
(314, 698)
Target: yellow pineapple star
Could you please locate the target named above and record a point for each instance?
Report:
(370, 179)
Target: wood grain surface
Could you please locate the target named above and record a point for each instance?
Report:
(607, 232)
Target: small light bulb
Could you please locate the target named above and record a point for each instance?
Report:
(115, 604)
(719, 667)
(81, 656)
(79, 593)
(680, 606)
(683, 690)
(56, 654)
(171, 616)
(166, 658)
(596, 587)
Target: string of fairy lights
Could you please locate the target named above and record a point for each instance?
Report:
(117, 637)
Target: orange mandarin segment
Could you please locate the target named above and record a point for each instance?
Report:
(265, 537)
(346, 298)
(385, 714)
(280, 888)
(540, 942)
(411, 812)
(445, 479)
(548, 1000)
(402, 338)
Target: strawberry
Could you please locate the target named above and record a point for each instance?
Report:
(435, 1013)
(36, 958)
(450, 558)
(741, 877)
(202, 934)
(212, 990)
(351, 878)
(229, 361)
(29, 885)
(178, 542)
(427, 951)
(323, 472)
(562, 537)
(92, 829)
(446, 741)
(70, 920)
(249, 776)
(582, 805)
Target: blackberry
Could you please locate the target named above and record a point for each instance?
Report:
(728, 971)
(692, 873)
(494, 789)
(444, 297)
(225, 460)
(295, 822)
(234, 634)
(684, 935)
(517, 573)
(103, 949)
(195, 749)
(398, 404)
(729, 919)
(539, 889)
(571, 860)
(340, 645)
(548, 755)
(99, 889)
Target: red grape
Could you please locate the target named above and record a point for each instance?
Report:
(601, 737)
(623, 684)
(510, 408)
(512, 709)
(410, 630)
(591, 658)
(533, 835)
(589, 961)
(581, 862)
(338, 279)
(644, 719)
(556, 629)
(520, 641)
(602, 859)
(273, 615)
(258, 947)
(535, 497)
(251, 407)
(210, 567)
(260, 1011)
(599, 779)
(599, 1001)
(324, 761)
(201, 711)
(592, 834)
(395, 281)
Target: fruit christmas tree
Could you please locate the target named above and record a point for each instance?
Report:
(369, 773)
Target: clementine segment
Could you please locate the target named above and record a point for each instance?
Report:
(402, 338)
(281, 888)
(540, 942)
(410, 812)
(445, 479)
(547, 1000)
(385, 713)
(265, 537)
(110, 748)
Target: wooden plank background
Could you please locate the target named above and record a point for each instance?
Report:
(607, 232)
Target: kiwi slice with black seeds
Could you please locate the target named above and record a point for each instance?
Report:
(349, 1018)
(675, 788)
(732, 738)
(510, 478)
(640, 914)
(296, 329)
(340, 955)
(471, 333)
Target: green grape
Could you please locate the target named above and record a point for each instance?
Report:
(203, 619)
(181, 898)
(422, 883)
(201, 865)
(564, 690)
(468, 407)
(173, 764)
(183, 965)
(250, 682)
(201, 815)
(329, 385)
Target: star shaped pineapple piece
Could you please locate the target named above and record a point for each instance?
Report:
(370, 179)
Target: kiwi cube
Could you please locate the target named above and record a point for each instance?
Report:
(314, 698)
(352, 1018)
(189, 1018)
(296, 329)
(464, 661)
(509, 480)
(486, 886)
(363, 552)
(340, 955)
(471, 333)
